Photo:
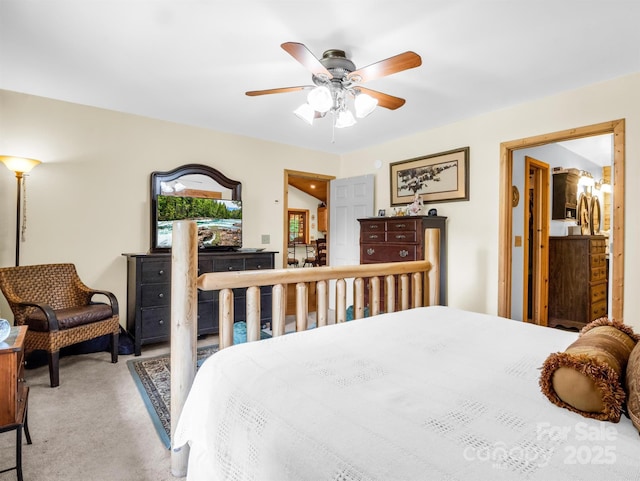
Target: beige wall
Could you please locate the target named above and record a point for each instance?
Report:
(473, 225)
(89, 201)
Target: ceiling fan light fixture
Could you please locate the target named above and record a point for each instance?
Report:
(306, 113)
(345, 119)
(364, 104)
(320, 99)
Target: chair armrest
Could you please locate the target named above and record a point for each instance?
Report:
(48, 312)
(112, 299)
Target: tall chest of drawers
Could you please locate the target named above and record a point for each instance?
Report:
(578, 280)
(400, 239)
(149, 293)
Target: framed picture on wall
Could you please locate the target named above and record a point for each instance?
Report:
(442, 177)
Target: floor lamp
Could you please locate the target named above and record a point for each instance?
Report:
(19, 166)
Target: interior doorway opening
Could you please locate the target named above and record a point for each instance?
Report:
(616, 255)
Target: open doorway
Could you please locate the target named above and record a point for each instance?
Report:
(306, 210)
(305, 220)
(616, 255)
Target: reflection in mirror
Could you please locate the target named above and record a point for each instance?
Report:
(202, 193)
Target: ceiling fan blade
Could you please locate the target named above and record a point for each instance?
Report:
(398, 63)
(384, 100)
(254, 93)
(303, 55)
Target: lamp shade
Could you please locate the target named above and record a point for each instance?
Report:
(320, 99)
(345, 119)
(306, 113)
(364, 104)
(18, 164)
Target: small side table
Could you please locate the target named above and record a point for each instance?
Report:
(14, 393)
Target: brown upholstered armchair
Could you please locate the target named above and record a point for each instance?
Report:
(59, 310)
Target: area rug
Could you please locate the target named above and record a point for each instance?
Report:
(152, 376)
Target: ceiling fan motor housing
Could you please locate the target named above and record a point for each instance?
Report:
(337, 63)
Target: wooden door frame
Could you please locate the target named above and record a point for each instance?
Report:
(616, 256)
(285, 204)
(541, 248)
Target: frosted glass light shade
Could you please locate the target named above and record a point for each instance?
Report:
(364, 104)
(306, 113)
(18, 164)
(345, 119)
(320, 99)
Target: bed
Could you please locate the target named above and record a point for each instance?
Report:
(424, 393)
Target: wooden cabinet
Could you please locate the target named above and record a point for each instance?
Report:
(149, 293)
(399, 239)
(322, 219)
(565, 195)
(578, 280)
(13, 389)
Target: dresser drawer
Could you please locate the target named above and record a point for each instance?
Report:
(223, 265)
(401, 237)
(599, 260)
(155, 295)
(598, 309)
(388, 253)
(402, 225)
(252, 263)
(373, 226)
(598, 292)
(207, 321)
(155, 272)
(367, 237)
(598, 274)
(598, 246)
(156, 322)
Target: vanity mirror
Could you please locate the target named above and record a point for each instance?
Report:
(198, 192)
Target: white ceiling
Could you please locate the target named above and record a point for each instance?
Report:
(191, 61)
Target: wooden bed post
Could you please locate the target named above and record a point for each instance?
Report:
(184, 328)
(432, 251)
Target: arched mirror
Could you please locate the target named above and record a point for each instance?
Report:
(198, 192)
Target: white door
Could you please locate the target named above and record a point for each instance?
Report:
(350, 200)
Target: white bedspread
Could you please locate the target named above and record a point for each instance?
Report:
(427, 394)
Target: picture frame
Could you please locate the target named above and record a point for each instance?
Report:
(382, 212)
(441, 177)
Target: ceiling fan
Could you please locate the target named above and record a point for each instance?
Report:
(337, 80)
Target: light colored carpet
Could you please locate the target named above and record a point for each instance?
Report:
(93, 427)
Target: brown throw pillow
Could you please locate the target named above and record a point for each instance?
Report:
(587, 377)
(633, 386)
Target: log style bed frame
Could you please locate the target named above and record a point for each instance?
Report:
(405, 285)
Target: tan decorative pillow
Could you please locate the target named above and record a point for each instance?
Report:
(633, 386)
(587, 377)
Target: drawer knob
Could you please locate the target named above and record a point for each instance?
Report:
(230, 268)
(404, 253)
(373, 236)
(161, 322)
(258, 266)
(371, 251)
(374, 226)
(161, 295)
(161, 272)
(401, 236)
(401, 226)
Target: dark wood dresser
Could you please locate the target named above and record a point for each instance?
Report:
(149, 293)
(578, 280)
(399, 239)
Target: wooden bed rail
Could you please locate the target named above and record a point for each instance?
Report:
(405, 285)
